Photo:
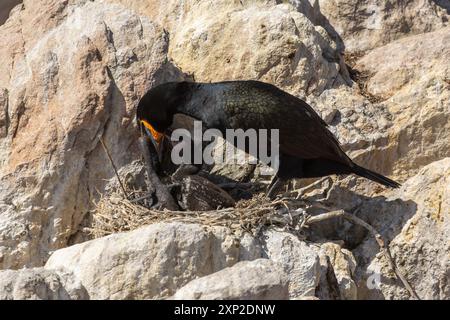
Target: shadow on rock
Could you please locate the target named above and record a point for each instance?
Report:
(386, 215)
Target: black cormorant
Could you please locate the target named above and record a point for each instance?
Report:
(307, 148)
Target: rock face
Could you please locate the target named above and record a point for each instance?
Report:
(365, 25)
(76, 70)
(419, 238)
(250, 280)
(151, 262)
(155, 261)
(298, 259)
(337, 273)
(414, 85)
(40, 284)
(280, 45)
(395, 119)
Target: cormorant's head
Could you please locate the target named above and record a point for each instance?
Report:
(157, 108)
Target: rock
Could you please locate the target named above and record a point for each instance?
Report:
(280, 45)
(298, 260)
(418, 236)
(362, 127)
(72, 71)
(413, 219)
(338, 267)
(407, 125)
(414, 86)
(364, 25)
(150, 262)
(40, 284)
(248, 280)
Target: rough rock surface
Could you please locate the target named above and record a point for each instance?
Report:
(224, 40)
(248, 280)
(396, 118)
(155, 261)
(419, 236)
(365, 25)
(151, 262)
(40, 284)
(158, 260)
(337, 273)
(414, 85)
(298, 260)
(72, 71)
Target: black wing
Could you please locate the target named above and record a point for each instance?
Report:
(303, 134)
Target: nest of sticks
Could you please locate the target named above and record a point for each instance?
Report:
(114, 213)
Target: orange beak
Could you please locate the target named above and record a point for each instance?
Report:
(157, 136)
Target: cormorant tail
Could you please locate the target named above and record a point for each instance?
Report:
(369, 174)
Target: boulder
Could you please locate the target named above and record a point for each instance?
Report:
(396, 117)
(248, 39)
(414, 86)
(298, 259)
(337, 273)
(248, 280)
(150, 262)
(40, 284)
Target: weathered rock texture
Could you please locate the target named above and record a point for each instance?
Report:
(368, 24)
(298, 259)
(155, 261)
(414, 85)
(198, 262)
(151, 262)
(250, 280)
(337, 273)
(419, 235)
(72, 71)
(40, 284)
(224, 40)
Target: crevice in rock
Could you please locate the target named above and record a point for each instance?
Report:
(328, 286)
(360, 77)
(6, 121)
(20, 112)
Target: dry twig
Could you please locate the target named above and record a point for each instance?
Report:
(114, 166)
(384, 249)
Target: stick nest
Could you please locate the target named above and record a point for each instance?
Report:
(114, 213)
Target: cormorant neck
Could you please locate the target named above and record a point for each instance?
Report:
(190, 110)
(189, 105)
(200, 102)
